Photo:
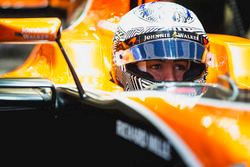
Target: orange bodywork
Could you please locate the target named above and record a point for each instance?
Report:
(23, 31)
(37, 3)
(218, 134)
(231, 54)
(221, 132)
(23, 3)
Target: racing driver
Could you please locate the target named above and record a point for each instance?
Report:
(159, 42)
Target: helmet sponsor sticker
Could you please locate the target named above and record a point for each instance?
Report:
(164, 34)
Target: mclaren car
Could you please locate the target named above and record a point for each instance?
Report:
(59, 105)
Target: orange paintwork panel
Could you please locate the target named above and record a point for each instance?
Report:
(231, 57)
(17, 29)
(43, 63)
(23, 3)
(220, 131)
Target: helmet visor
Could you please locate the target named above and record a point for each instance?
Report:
(170, 49)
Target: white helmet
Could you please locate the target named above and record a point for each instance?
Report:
(158, 30)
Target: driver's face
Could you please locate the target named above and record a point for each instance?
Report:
(167, 70)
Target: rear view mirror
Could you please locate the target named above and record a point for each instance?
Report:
(29, 29)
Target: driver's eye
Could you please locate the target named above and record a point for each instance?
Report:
(180, 67)
(156, 66)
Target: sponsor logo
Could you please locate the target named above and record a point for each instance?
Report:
(186, 36)
(35, 34)
(156, 36)
(144, 139)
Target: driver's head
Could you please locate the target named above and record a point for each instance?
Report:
(159, 42)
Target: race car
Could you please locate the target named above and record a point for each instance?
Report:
(60, 105)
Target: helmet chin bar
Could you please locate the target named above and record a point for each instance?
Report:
(130, 80)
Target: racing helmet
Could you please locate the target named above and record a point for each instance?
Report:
(158, 31)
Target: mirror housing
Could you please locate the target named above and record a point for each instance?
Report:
(29, 29)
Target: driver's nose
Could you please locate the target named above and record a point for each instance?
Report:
(168, 74)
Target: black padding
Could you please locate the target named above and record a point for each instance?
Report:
(194, 72)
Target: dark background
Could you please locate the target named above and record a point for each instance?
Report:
(221, 16)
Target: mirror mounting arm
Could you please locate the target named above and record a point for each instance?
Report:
(71, 68)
